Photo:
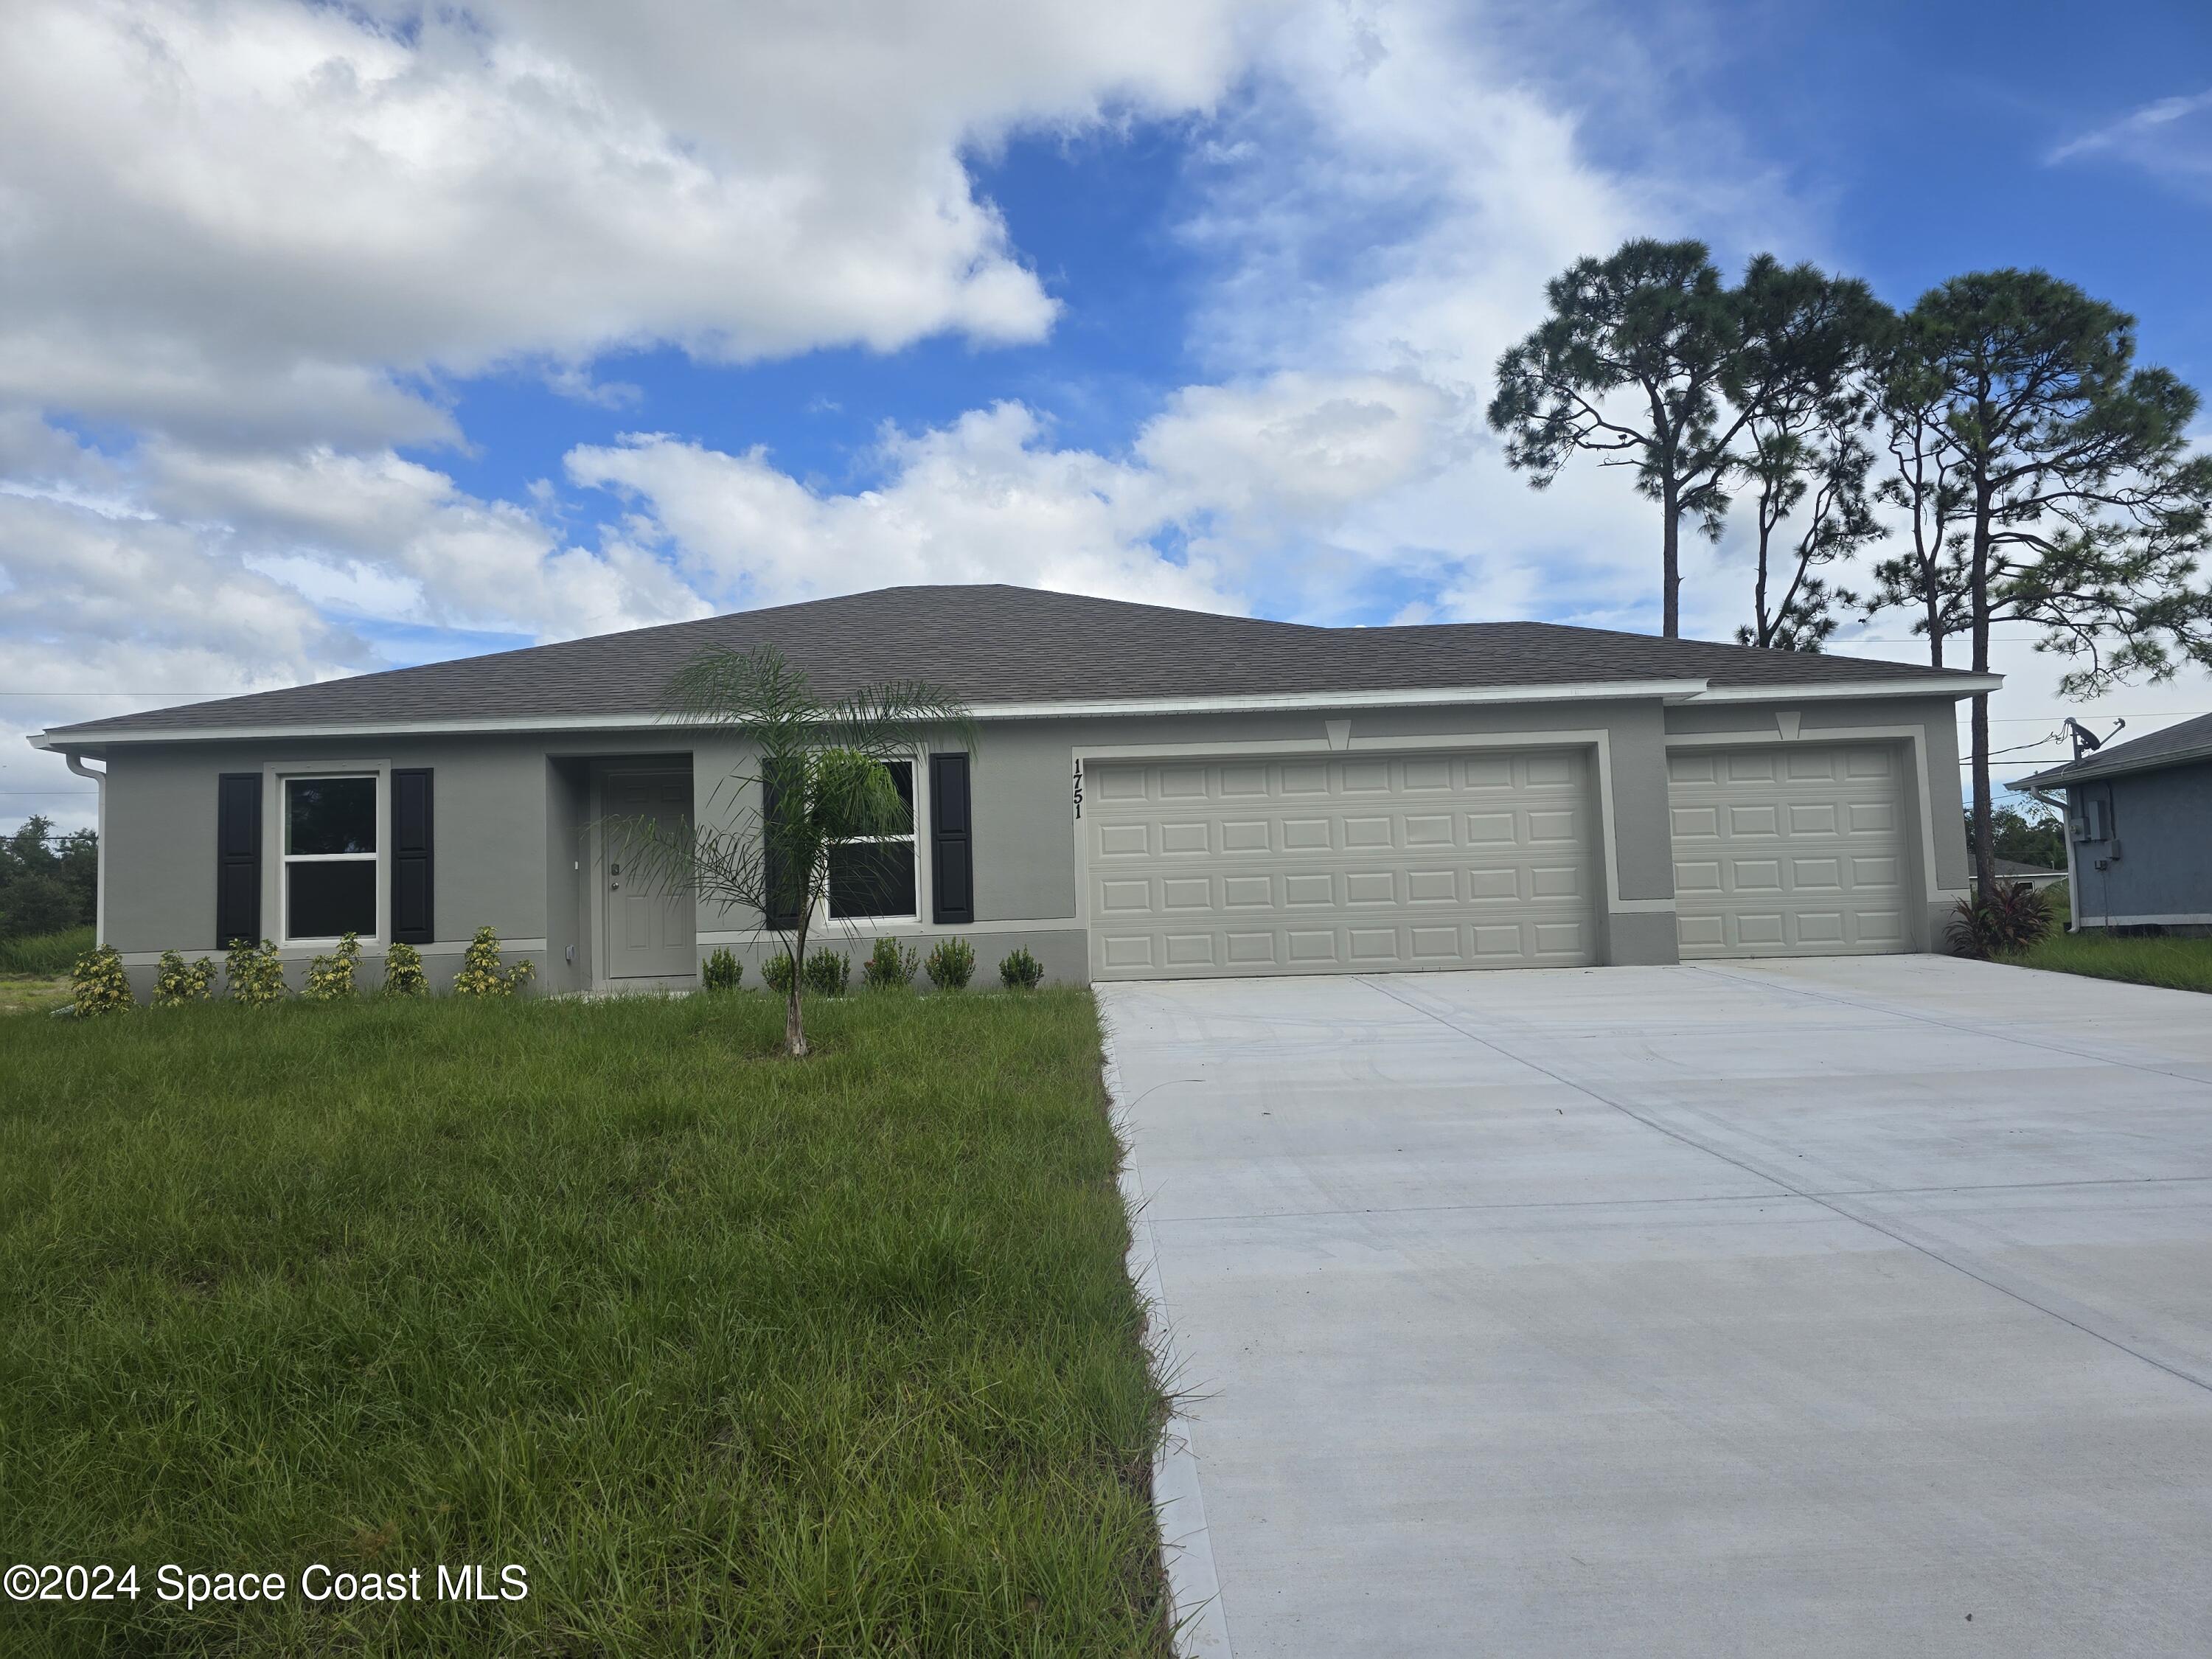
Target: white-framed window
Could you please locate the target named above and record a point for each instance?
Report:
(329, 878)
(879, 878)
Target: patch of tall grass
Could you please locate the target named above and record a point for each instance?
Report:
(44, 953)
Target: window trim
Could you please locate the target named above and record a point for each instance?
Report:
(276, 889)
(914, 838)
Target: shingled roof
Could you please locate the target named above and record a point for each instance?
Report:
(2173, 745)
(998, 646)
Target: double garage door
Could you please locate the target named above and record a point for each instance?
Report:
(1340, 865)
(1488, 859)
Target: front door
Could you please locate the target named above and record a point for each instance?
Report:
(649, 930)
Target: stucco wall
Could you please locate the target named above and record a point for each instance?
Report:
(1924, 730)
(512, 817)
(2161, 825)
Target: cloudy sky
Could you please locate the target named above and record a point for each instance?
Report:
(333, 338)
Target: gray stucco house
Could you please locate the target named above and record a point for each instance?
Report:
(1155, 793)
(2139, 830)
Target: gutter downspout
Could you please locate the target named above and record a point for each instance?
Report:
(2064, 808)
(100, 869)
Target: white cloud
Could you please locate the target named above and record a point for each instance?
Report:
(255, 218)
(2170, 137)
(987, 499)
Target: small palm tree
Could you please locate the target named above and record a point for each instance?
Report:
(817, 780)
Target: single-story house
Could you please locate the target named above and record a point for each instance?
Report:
(2034, 874)
(2139, 829)
(1153, 793)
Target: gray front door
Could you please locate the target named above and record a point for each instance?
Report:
(649, 930)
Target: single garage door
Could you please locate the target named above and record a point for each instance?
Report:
(1332, 865)
(1796, 850)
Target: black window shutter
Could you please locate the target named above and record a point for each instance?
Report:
(237, 859)
(785, 892)
(413, 921)
(951, 841)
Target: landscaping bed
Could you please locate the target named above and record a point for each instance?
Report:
(725, 1352)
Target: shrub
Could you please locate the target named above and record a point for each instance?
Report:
(2014, 918)
(403, 973)
(890, 967)
(177, 981)
(1021, 971)
(828, 973)
(722, 971)
(252, 977)
(776, 971)
(951, 965)
(330, 979)
(481, 974)
(98, 984)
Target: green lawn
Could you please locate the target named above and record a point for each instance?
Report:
(729, 1353)
(2181, 964)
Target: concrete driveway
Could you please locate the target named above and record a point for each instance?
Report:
(1848, 1307)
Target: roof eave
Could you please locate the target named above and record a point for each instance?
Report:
(1680, 691)
(1950, 688)
(2088, 771)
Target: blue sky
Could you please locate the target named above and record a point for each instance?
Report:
(339, 338)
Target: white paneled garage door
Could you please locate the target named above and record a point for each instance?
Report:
(1337, 864)
(1794, 850)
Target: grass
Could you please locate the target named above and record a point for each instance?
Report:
(32, 993)
(46, 955)
(730, 1354)
(2180, 964)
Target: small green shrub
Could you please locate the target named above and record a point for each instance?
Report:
(403, 973)
(481, 974)
(98, 984)
(828, 973)
(890, 966)
(1021, 971)
(330, 978)
(722, 971)
(775, 973)
(177, 981)
(2014, 918)
(253, 977)
(951, 965)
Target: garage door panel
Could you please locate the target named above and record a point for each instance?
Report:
(1371, 887)
(1186, 837)
(1367, 864)
(1788, 850)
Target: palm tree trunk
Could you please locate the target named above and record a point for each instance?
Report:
(794, 1026)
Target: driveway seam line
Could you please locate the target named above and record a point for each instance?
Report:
(1717, 1197)
(1795, 989)
(1868, 1222)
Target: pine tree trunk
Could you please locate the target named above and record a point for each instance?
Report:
(1670, 563)
(1934, 626)
(1986, 866)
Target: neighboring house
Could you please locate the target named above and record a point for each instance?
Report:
(2139, 829)
(1155, 793)
(2034, 875)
